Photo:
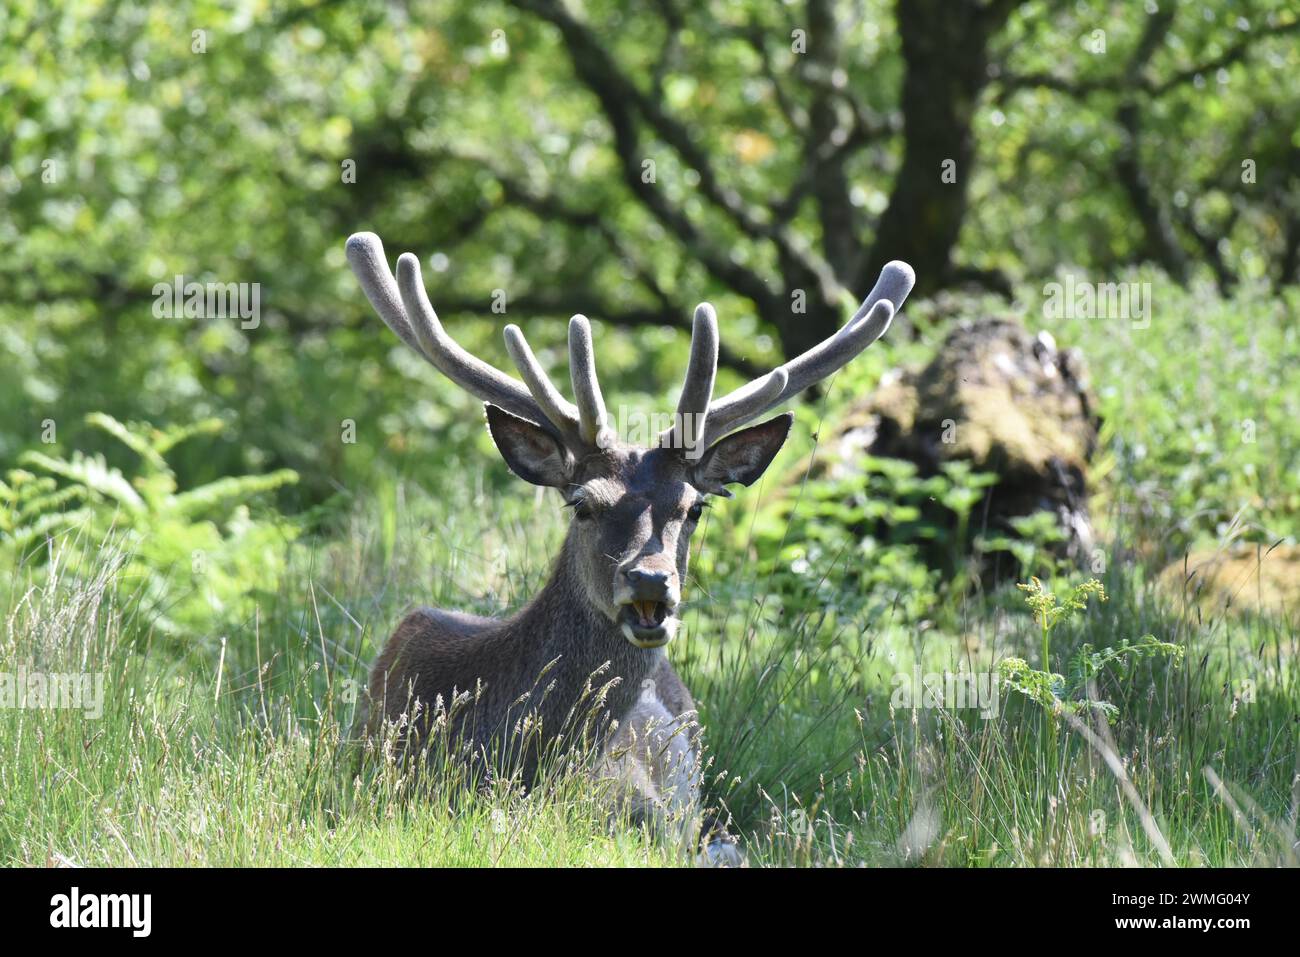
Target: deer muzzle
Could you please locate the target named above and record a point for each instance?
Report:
(648, 606)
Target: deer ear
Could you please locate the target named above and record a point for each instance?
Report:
(532, 453)
(742, 456)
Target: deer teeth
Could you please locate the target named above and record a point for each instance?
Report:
(647, 612)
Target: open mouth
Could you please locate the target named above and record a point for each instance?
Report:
(647, 623)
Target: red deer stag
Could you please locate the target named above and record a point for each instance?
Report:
(610, 606)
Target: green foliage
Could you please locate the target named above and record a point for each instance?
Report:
(1199, 439)
(1031, 545)
(226, 755)
(809, 596)
(34, 506)
(447, 132)
(1049, 612)
(1056, 693)
(874, 530)
(195, 555)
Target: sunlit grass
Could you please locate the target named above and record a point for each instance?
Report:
(219, 745)
(226, 753)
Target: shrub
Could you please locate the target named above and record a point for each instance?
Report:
(194, 555)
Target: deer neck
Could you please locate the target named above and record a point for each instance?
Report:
(561, 625)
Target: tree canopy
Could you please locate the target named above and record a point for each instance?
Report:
(619, 160)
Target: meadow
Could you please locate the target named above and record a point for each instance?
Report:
(232, 635)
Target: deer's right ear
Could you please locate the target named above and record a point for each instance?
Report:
(532, 453)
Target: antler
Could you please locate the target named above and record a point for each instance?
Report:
(753, 399)
(586, 389)
(404, 306)
(697, 391)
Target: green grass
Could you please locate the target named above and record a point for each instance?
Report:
(235, 764)
(223, 752)
(217, 745)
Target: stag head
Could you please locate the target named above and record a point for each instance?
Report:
(634, 508)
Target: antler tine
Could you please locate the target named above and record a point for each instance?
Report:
(867, 325)
(397, 301)
(687, 430)
(816, 364)
(559, 410)
(471, 373)
(365, 252)
(586, 388)
(746, 403)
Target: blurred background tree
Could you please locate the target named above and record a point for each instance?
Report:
(620, 160)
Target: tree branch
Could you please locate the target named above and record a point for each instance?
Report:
(756, 36)
(830, 184)
(622, 102)
(1011, 83)
(1233, 54)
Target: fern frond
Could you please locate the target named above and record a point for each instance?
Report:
(20, 484)
(47, 524)
(173, 436)
(47, 501)
(91, 472)
(131, 438)
(205, 497)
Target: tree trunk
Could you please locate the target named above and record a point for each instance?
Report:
(945, 49)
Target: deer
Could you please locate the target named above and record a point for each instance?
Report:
(613, 600)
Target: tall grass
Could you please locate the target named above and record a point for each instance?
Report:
(222, 747)
(239, 763)
(225, 753)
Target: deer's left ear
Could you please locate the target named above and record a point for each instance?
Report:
(742, 456)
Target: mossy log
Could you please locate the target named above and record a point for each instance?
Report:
(1007, 402)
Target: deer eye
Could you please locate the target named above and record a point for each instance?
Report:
(582, 510)
(696, 510)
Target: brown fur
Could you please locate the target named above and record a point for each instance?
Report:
(568, 632)
(566, 662)
(435, 654)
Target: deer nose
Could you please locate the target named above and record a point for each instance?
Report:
(648, 584)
